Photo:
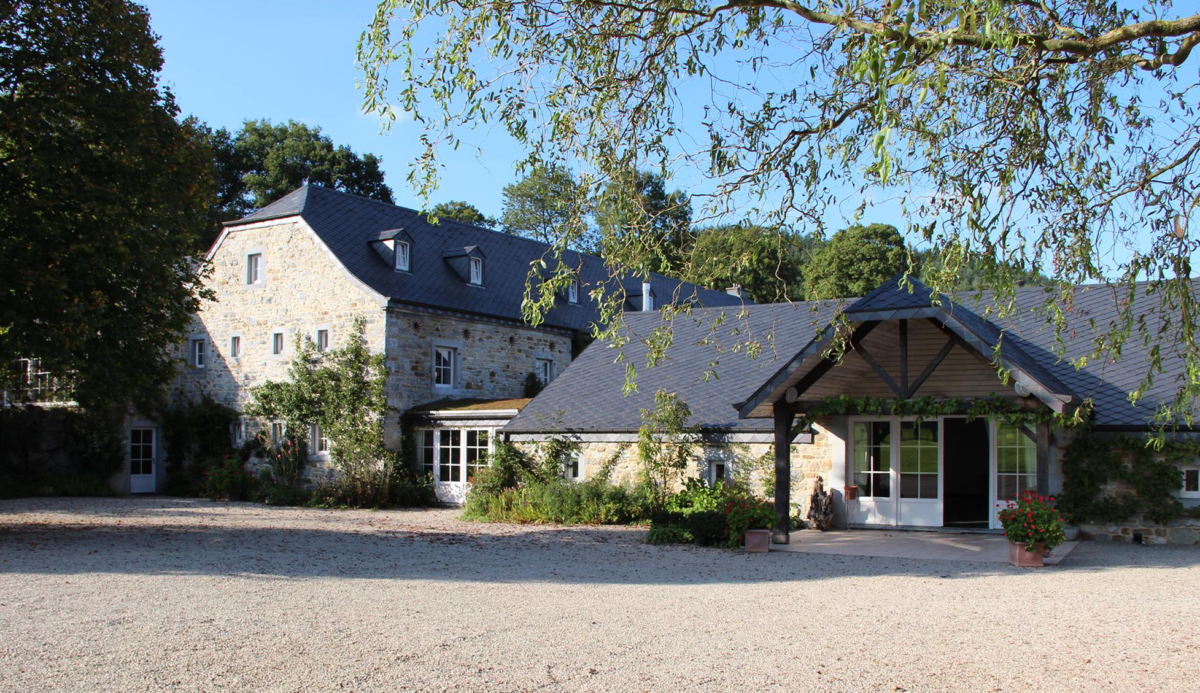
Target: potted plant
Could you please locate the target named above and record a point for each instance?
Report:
(749, 519)
(1033, 528)
(851, 492)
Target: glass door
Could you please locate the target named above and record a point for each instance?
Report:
(141, 460)
(1016, 465)
(897, 467)
(871, 456)
(920, 474)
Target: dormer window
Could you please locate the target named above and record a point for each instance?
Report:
(402, 255)
(573, 291)
(476, 270)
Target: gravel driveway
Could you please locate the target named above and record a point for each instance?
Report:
(167, 594)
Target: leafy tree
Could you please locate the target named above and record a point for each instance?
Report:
(665, 445)
(104, 196)
(540, 205)
(768, 264)
(642, 226)
(464, 212)
(1051, 133)
(857, 260)
(264, 161)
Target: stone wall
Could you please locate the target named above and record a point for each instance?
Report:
(494, 357)
(303, 289)
(1182, 532)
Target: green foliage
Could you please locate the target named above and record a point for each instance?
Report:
(285, 462)
(59, 452)
(1090, 462)
(532, 385)
(707, 527)
(557, 502)
(229, 480)
(463, 212)
(747, 512)
(768, 263)
(642, 226)
(104, 197)
(342, 391)
(856, 261)
(994, 406)
(1032, 520)
(196, 435)
(665, 444)
(667, 534)
(542, 205)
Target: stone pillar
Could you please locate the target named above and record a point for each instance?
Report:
(1043, 458)
(783, 472)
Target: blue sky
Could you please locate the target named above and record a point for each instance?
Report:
(231, 61)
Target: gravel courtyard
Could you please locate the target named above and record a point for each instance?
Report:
(182, 595)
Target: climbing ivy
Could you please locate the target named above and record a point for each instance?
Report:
(993, 406)
(1091, 462)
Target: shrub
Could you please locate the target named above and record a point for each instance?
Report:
(387, 486)
(274, 494)
(59, 452)
(229, 480)
(707, 527)
(556, 502)
(745, 513)
(660, 534)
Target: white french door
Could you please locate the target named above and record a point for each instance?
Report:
(453, 456)
(897, 466)
(1014, 465)
(142, 461)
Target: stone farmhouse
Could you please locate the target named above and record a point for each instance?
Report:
(443, 302)
(769, 420)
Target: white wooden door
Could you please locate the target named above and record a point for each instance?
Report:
(142, 462)
(918, 476)
(871, 461)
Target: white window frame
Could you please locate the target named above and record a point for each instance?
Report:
(255, 275)
(318, 443)
(402, 253)
(573, 291)
(236, 348)
(475, 265)
(430, 448)
(453, 351)
(544, 370)
(282, 344)
(574, 469)
(1030, 481)
(237, 432)
(321, 348)
(198, 352)
(1183, 492)
(278, 430)
(713, 463)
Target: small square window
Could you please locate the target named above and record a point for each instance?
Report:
(235, 347)
(277, 343)
(573, 469)
(573, 291)
(322, 340)
(443, 366)
(254, 268)
(318, 444)
(545, 371)
(476, 270)
(718, 472)
(198, 353)
(402, 255)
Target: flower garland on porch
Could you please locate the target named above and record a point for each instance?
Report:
(993, 406)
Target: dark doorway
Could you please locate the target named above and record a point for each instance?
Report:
(965, 475)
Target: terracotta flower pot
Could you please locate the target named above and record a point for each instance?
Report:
(758, 540)
(851, 492)
(1018, 556)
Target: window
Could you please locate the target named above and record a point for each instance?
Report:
(449, 455)
(573, 291)
(254, 268)
(426, 451)
(718, 471)
(198, 353)
(237, 433)
(919, 459)
(235, 347)
(276, 343)
(1191, 482)
(318, 444)
(477, 452)
(872, 458)
(544, 371)
(443, 366)
(402, 254)
(277, 433)
(322, 340)
(573, 468)
(1016, 462)
(476, 270)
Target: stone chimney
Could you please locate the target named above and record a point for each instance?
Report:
(647, 297)
(736, 290)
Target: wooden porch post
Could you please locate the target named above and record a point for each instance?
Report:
(1043, 458)
(783, 472)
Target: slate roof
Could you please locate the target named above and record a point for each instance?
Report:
(349, 223)
(587, 396)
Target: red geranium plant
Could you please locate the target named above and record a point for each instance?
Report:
(746, 512)
(1033, 520)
